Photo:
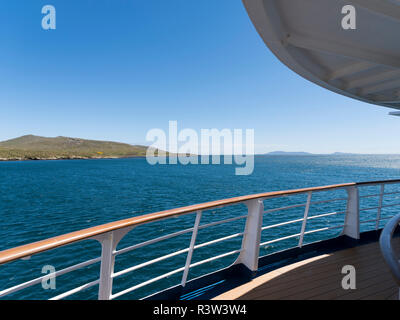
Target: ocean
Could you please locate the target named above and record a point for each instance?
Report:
(42, 199)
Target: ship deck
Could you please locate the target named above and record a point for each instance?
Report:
(320, 278)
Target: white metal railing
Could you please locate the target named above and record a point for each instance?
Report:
(247, 254)
(388, 252)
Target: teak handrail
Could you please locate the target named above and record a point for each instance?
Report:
(58, 241)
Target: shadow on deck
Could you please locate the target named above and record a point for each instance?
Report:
(320, 278)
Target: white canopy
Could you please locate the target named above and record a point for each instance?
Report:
(308, 37)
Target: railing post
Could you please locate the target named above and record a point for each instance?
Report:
(107, 267)
(191, 248)
(352, 220)
(252, 235)
(304, 224)
(109, 242)
(378, 215)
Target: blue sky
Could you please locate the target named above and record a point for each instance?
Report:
(113, 70)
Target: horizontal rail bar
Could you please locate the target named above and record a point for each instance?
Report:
(385, 218)
(301, 219)
(324, 229)
(165, 275)
(384, 206)
(330, 200)
(211, 224)
(280, 239)
(378, 194)
(370, 208)
(147, 263)
(371, 220)
(149, 242)
(215, 258)
(285, 208)
(298, 234)
(78, 289)
(374, 220)
(281, 224)
(391, 205)
(55, 242)
(397, 192)
(32, 282)
(232, 236)
(370, 195)
(326, 215)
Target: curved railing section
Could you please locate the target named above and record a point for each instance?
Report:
(386, 244)
(262, 209)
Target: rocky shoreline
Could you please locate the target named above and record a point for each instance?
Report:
(67, 158)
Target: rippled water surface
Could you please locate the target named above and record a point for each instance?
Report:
(41, 199)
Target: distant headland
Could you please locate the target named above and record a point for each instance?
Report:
(301, 153)
(30, 147)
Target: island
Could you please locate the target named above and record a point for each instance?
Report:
(31, 147)
(287, 153)
(302, 153)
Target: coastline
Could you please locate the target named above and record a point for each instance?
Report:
(68, 158)
(144, 156)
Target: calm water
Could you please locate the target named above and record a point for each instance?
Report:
(41, 199)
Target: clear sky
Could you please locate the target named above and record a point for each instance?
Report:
(113, 70)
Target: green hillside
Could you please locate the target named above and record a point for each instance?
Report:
(35, 147)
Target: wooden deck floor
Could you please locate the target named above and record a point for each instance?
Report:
(320, 278)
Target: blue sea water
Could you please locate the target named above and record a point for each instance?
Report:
(42, 199)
